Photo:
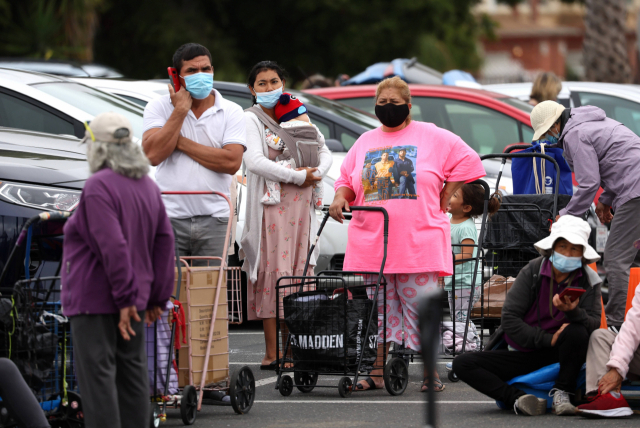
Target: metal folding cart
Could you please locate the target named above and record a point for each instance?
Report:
(331, 329)
(521, 221)
(240, 386)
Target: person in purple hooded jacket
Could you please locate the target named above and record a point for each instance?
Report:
(117, 268)
(602, 153)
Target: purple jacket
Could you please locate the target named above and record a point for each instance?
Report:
(118, 248)
(602, 153)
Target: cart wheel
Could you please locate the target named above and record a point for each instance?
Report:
(453, 377)
(396, 376)
(286, 385)
(242, 390)
(70, 415)
(344, 387)
(154, 416)
(189, 405)
(305, 381)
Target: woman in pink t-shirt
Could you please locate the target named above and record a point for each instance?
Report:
(414, 193)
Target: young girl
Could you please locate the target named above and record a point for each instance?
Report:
(465, 205)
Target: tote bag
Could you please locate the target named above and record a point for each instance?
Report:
(534, 176)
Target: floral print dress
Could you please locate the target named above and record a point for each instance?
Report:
(283, 247)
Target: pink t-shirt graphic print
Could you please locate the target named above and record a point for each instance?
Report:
(404, 172)
(389, 173)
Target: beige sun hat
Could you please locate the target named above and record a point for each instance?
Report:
(109, 127)
(574, 230)
(543, 116)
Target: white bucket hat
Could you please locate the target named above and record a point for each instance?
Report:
(543, 116)
(574, 230)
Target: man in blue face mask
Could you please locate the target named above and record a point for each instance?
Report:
(538, 327)
(196, 138)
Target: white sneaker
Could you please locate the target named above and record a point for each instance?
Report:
(449, 366)
(561, 403)
(530, 405)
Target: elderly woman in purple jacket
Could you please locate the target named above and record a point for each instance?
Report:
(603, 153)
(118, 268)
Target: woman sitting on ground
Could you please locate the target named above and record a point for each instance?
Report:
(538, 328)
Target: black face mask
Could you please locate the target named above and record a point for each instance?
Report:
(392, 115)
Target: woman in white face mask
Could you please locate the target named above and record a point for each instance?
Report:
(276, 238)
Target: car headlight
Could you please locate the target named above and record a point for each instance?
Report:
(39, 197)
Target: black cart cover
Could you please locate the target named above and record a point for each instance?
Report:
(322, 328)
(521, 221)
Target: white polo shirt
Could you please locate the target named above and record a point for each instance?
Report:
(221, 124)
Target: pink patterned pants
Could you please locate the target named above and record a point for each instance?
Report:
(404, 292)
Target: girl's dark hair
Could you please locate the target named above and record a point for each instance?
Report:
(473, 194)
(264, 66)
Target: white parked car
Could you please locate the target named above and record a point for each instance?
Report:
(620, 102)
(55, 105)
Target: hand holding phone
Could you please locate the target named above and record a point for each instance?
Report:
(573, 293)
(568, 300)
(181, 100)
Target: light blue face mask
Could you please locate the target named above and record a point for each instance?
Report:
(552, 138)
(565, 264)
(199, 85)
(268, 99)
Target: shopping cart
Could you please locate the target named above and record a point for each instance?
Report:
(458, 337)
(521, 221)
(240, 386)
(35, 334)
(332, 327)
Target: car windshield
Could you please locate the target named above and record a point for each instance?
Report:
(94, 102)
(519, 104)
(339, 109)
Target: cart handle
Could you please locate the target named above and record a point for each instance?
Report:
(505, 156)
(513, 147)
(25, 235)
(385, 232)
(353, 208)
(222, 267)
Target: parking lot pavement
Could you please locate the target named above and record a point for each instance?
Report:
(457, 406)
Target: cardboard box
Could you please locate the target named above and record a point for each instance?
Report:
(202, 295)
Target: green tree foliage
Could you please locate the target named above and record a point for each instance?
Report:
(321, 36)
(48, 28)
(31, 29)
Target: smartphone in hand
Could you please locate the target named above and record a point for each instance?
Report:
(573, 293)
(173, 76)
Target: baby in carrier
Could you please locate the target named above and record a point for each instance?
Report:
(291, 113)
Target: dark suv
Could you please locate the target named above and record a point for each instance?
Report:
(38, 172)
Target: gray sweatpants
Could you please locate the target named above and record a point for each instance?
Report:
(200, 236)
(619, 256)
(600, 345)
(112, 373)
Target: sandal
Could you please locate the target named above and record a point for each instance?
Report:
(372, 385)
(438, 386)
(275, 363)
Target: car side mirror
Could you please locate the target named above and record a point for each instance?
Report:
(334, 145)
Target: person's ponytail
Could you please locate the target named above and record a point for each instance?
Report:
(494, 203)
